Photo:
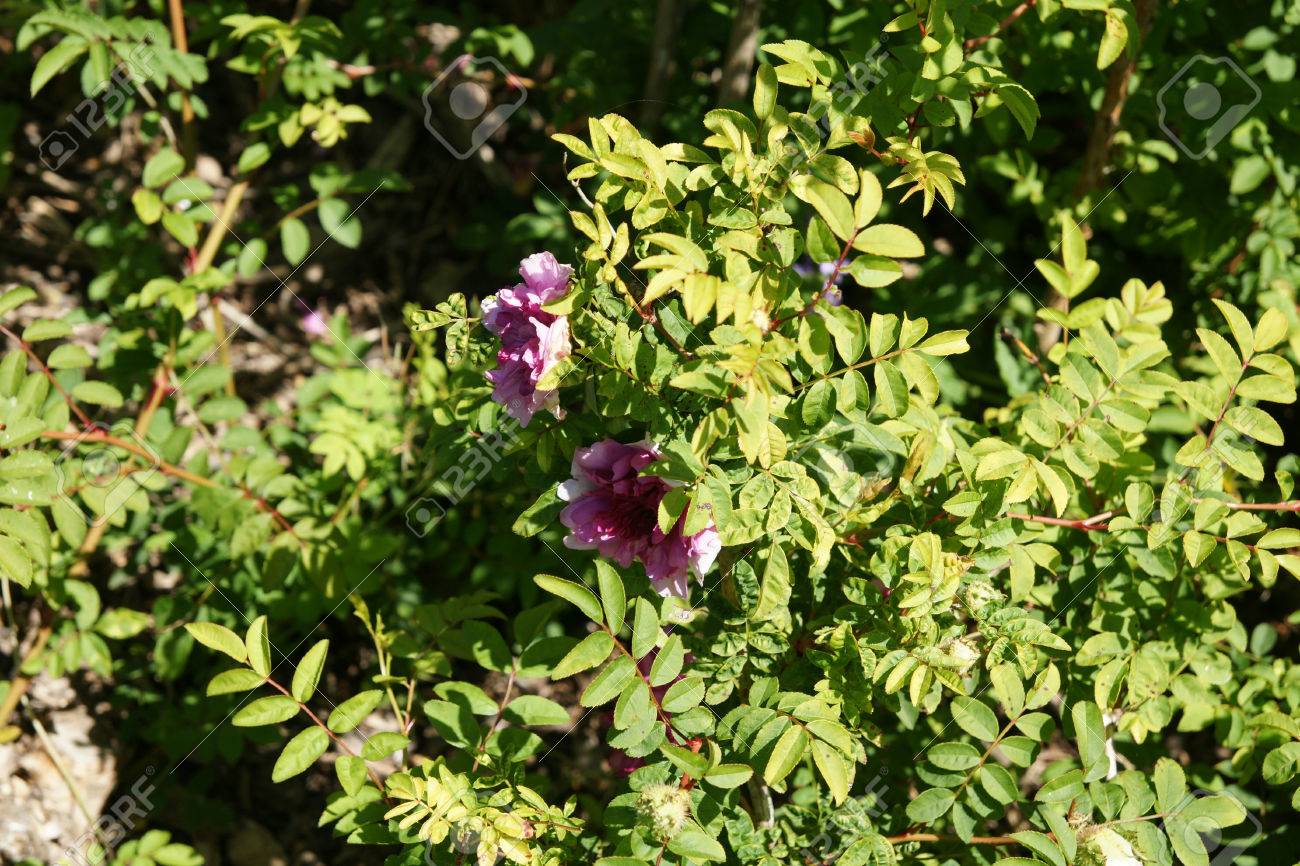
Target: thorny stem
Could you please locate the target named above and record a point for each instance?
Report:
(1028, 353)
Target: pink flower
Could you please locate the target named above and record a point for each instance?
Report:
(314, 323)
(613, 509)
(533, 341)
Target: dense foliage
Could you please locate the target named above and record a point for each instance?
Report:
(769, 518)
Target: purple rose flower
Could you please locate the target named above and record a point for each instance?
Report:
(533, 341)
(613, 509)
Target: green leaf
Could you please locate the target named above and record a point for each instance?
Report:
(774, 591)
(975, 718)
(645, 628)
(613, 597)
(892, 241)
(930, 805)
(57, 59)
(574, 593)
(15, 564)
(353, 711)
(383, 744)
(786, 754)
(351, 771)
(540, 514)
(182, 227)
(697, 845)
(728, 776)
(69, 356)
(14, 298)
(589, 652)
(97, 394)
(683, 695)
(1170, 784)
(300, 753)
(1022, 106)
(1062, 788)
(234, 680)
(835, 768)
(831, 204)
(148, 206)
(998, 782)
(1090, 734)
(46, 329)
(218, 637)
(162, 167)
(668, 662)
(609, 682)
(535, 710)
(259, 647)
(265, 711)
(308, 672)
(295, 240)
(339, 220)
(765, 90)
(954, 756)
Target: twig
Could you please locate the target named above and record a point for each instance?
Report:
(49, 374)
(943, 837)
(975, 42)
(176, 8)
(830, 283)
(333, 736)
(1028, 353)
(206, 256)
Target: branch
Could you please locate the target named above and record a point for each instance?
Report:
(211, 244)
(333, 736)
(830, 283)
(49, 374)
(971, 44)
(188, 141)
(1096, 523)
(942, 837)
(165, 468)
(1293, 505)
